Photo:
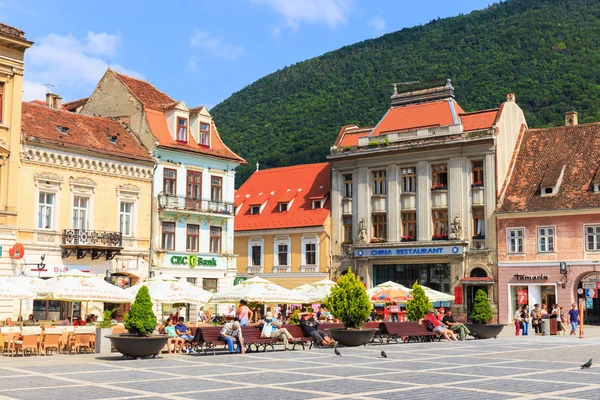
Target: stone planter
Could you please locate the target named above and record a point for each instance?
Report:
(352, 338)
(103, 345)
(485, 331)
(138, 346)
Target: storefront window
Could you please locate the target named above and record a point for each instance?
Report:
(530, 295)
(434, 276)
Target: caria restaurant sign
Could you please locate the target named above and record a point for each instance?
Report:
(192, 261)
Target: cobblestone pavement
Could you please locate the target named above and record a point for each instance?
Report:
(527, 367)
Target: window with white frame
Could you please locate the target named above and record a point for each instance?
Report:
(283, 207)
(168, 235)
(282, 254)
(257, 255)
(317, 204)
(204, 134)
(45, 210)
(311, 254)
(182, 129)
(592, 237)
(126, 218)
(215, 239)
(515, 239)
(546, 239)
(254, 210)
(348, 186)
(80, 212)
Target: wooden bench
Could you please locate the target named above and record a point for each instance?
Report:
(408, 331)
(375, 325)
(296, 332)
(210, 338)
(252, 337)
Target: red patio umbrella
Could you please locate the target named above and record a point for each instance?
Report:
(390, 295)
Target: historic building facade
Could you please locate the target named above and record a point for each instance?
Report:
(193, 189)
(549, 221)
(414, 197)
(282, 225)
(84, 200)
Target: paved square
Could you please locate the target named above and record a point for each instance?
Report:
(504, 368)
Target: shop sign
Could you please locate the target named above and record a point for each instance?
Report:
(540, 277)
(522, 296)
(193, 261)
(592, 277)
(17, 251)
(458, 295)
(580, 291)
(121, 281)
(589, 285)
(409, 251)
(589, 302)
(591, 293)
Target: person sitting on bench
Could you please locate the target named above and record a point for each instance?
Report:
(436, 326)
(230, 334)
(448, 320)
(310, 326)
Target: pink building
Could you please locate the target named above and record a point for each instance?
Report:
(548, 221)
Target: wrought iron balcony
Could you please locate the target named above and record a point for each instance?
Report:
(97, 243)
(172, 202)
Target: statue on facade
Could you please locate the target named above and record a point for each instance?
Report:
(361, 235)
(456, 228)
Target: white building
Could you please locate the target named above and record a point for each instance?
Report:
(193, 190)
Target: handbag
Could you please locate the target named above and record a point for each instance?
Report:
(266, 331)
(535, 322)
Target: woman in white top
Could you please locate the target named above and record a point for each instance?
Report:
(517, 318)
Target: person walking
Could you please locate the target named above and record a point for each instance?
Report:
(573, 318)
(536, 319)
(525, 319)
(517, 318)
(561, 321)
(244, 314)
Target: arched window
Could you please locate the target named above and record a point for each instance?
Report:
(478, 273)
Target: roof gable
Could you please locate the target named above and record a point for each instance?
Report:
(297, 185)
(147, 94)
(566, 158)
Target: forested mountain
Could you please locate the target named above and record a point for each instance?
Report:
(545, 51)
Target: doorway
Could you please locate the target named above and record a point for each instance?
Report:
(471, 292)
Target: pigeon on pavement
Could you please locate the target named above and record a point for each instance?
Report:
(383, 354)
(335, 350)
(587, 364)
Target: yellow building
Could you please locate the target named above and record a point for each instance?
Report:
(84, 200)
(282, 225)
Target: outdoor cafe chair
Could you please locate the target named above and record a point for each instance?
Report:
(10, 334)
(81, 340)
(51, 339)
(30, 340)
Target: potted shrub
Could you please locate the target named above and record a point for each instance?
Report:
(418, 306)
(140, 323)
(349, 302)
(481, 316)
(103, 330)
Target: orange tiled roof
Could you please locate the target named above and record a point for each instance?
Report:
(147, 94)
(38, 102)
(430, 114)
(275, 185)
(39, 123)
(350, 134)
(479, 120)
(75, 104)
(542, 155)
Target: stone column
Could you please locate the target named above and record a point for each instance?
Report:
(489, 201)
(457, 193)
(336, 211)
(363, 201)
(393, 204)
(423, 201)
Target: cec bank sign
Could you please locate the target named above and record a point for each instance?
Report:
(192, 261)
(409, 251)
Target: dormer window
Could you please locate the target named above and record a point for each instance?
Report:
(283, 207)
(596, 187)
(63, 130)
(112, 139)
(547, 191)
(182, 129)
(204, 134)
(255, 209)
(551, 181)
(317, 204)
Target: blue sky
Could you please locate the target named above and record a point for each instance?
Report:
(198, 51)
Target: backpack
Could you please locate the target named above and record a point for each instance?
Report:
(429, 325)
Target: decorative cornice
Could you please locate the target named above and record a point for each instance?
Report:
(48, 176)
(77, 162)
(82, 181)
(128, 188)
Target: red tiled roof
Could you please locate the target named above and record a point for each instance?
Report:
(38, 102)
(542, 155)
(413, 116)
(75, 104)
(350, 134)
(39, 123)
(272, 185)
(479, 120)
(147, 94)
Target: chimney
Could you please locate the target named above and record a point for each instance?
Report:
(57, 102)
(49, 100)
(571, 118)
(510, 97)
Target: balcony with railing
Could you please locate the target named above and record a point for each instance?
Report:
(83, 242)
(174, 202)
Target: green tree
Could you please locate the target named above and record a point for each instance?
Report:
(348, 301)
(141, 320)
(418, 306)
(482, 311)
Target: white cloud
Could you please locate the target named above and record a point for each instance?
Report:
(216, 46)
(73, 66)
(33, 91)
(378, 23)
(330, 12)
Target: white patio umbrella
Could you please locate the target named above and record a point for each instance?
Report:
(166, 289)
(29, 283)
(435, 296)
(10, 291)
(385, 286)
(80, 286)
(318, 291)
(302, 288)
(258, 290)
